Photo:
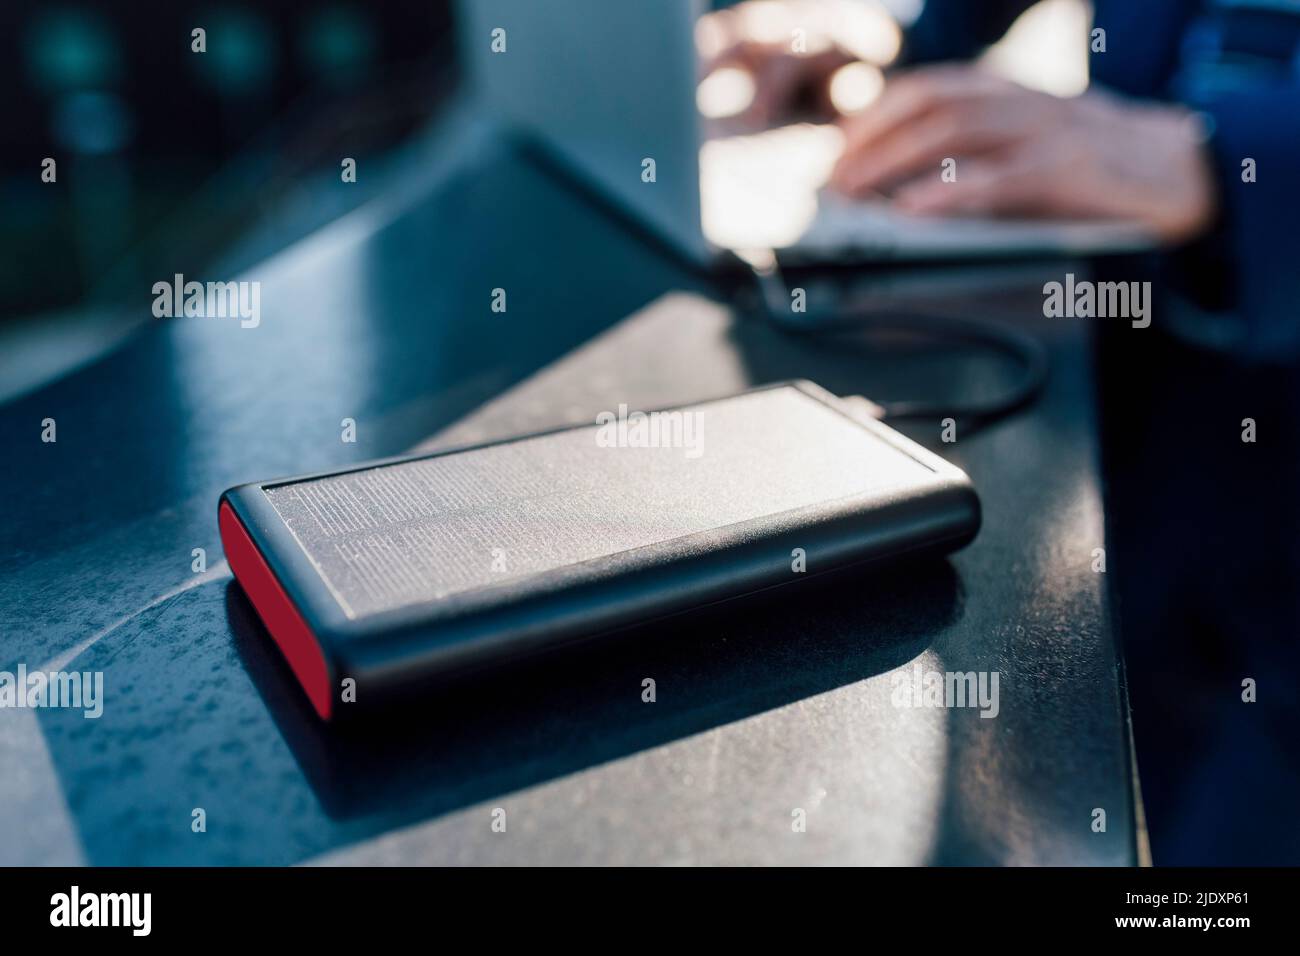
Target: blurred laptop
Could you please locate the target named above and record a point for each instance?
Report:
(606, 86)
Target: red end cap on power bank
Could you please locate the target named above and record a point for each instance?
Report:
(297, 642)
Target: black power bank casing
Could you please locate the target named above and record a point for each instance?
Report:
(377, 580)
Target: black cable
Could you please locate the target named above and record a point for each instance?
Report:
(1024, 349)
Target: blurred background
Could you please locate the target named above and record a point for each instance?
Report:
(174, 161)
(170, 158)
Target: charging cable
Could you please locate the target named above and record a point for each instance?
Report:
(848, 326)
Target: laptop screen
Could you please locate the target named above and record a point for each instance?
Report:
(607, 87)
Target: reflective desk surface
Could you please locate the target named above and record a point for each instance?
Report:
(776, 734)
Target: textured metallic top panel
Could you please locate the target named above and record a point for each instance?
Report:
(405, 534)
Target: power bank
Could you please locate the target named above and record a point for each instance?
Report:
(378, 580)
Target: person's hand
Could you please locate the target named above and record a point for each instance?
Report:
(1023, 153)
(786, 85)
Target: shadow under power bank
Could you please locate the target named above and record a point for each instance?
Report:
(398, 572)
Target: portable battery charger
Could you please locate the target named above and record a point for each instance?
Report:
(380, 579)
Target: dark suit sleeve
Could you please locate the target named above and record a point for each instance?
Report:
(1258, 238)
(959, 29)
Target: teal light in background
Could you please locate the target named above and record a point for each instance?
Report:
(71, 50)
(338, 45)
(239, 52)
(92, 123)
